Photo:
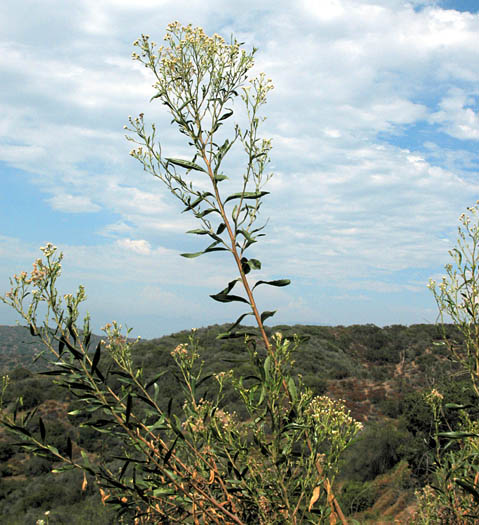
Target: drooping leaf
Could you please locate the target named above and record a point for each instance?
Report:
(266, 315)
(314, 497)
(278, 282)
(185, 164)
(225, 298)
(76, 354)
(469, 487)
(226, 115)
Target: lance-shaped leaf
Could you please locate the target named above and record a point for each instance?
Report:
(96, 358)
(220, 177)
(247, 195)
(455, 406)
(191, 255)
(457, 435)
(469, 487)
(199, 231)
(170, 451)
(155, 379)
(229, 334)
(76, 354)
(267, 314)
(224, 297)
(186, 164)
(278, 282)
(197, 201)
(226, 115)
(128, 409)
(213, 247)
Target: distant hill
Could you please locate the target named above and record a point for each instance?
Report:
(381, 373)
(18, 348)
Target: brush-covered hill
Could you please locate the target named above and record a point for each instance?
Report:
(379, 372)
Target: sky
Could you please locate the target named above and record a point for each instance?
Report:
(375, 130)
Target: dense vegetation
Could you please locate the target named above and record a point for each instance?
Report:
(382, 373)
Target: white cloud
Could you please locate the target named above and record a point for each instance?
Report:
(73, 203)
(345, 203)
(457, 119)
(138, 246)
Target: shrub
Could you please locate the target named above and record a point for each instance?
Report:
(198, 462)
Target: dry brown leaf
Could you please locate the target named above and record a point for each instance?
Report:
(314, 497)
(212, 477)
(85, 483)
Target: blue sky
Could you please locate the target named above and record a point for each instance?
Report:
(375, 127)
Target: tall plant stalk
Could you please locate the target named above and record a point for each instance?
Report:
(198, 463)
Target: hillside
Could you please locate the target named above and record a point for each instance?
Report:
(379, 372)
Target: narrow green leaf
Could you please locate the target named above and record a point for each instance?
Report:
(155, 379)
(455, 406)
(158, 95)
(457, 435)
(185, 164)
(164, 491)
(128, 409)
(266, 315)
(225, 298)
(278, 282)
(221, 228)
(191, 255)
(61, 347)
(469, 487)
(199, 232)
(247, 195)
(267, 368)
(76, 354)
(86, 339)
(123, 469)
(220, 177)
(96, 358)
(169, 452)
(226, 115)
(292, 389)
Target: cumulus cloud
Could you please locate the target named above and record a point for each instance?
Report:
(138, 246)
(365, 92)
